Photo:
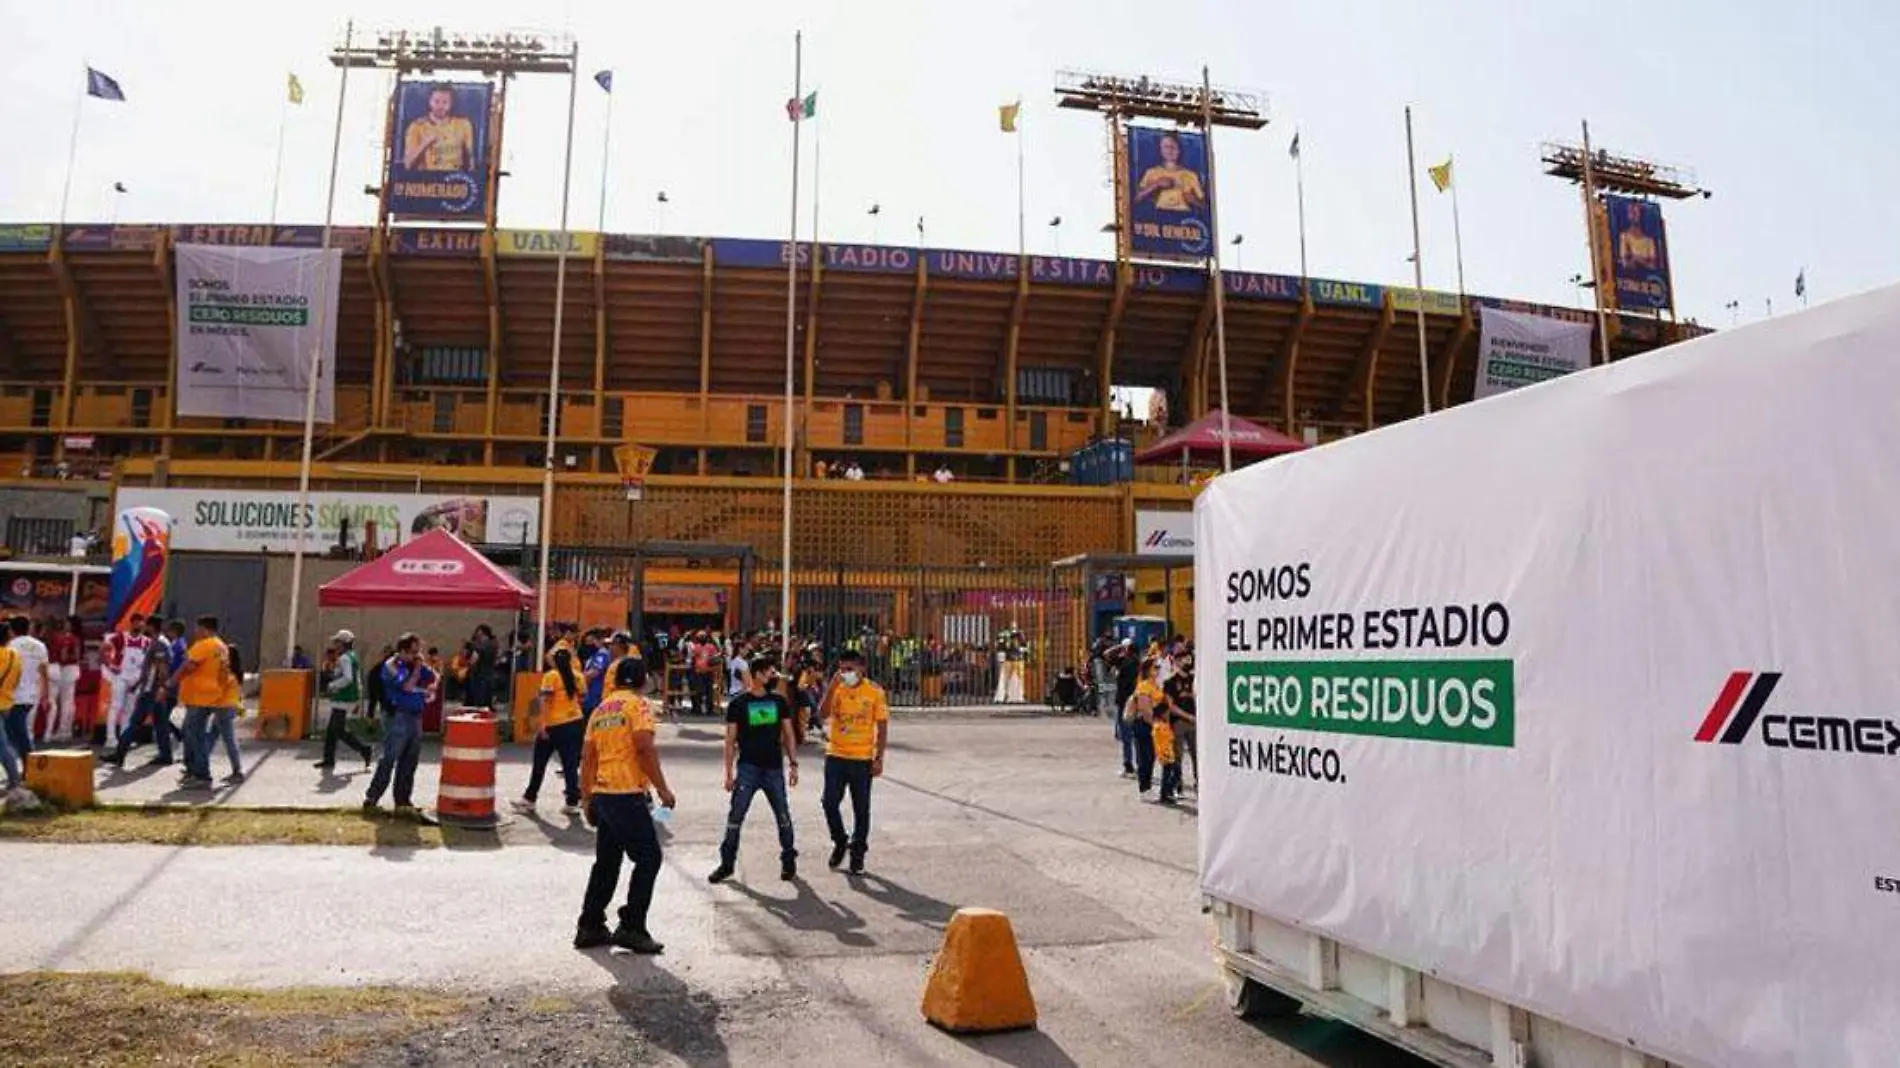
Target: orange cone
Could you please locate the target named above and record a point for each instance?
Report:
(977, 983)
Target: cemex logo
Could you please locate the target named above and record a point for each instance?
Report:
(1739, 705)
(1162, 539)
(428, 567)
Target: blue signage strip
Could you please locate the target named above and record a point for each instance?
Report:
(437, 242)
(25, 237)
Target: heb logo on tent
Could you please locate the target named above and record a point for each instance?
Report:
(435, 568)
(1739, 704)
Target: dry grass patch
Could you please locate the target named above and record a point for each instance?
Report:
(160, 825)
(119, 1019)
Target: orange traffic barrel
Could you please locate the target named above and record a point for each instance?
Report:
(467, 793)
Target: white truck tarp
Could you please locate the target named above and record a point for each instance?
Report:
(1587, 696)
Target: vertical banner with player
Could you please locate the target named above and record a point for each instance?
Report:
(1639, 253)
(438, 165)
(1169, 208)
(250, 321)
(141, 553)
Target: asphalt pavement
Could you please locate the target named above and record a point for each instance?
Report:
(1023, 814)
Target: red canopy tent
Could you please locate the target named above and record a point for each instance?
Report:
(436, 570)
(1201, 439)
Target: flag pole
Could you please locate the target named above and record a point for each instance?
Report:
(277, 172)
(791, 323)
(1418, 271)
(554, 359)
(1590, 229)
(1215, 278)
(817, 174)
(1299, 193)
(606, 149)
(1457, 233)
(1022, 225)
(299, 543)
(72, 154)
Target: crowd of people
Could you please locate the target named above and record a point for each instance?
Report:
(595, 714)
(1149, 694)
(148, 672)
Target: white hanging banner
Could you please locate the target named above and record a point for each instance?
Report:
(250, 319)
(1522, 350)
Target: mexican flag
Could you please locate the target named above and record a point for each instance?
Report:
(798, 110)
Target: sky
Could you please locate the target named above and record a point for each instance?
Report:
(1785, 114)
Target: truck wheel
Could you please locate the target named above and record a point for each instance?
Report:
(1250, 1000)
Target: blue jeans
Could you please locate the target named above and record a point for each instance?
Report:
(402, 748)
(223, 725)
(18, 726)
(149, 708)
(9, 761)
(1125, 732)
(853, 776)
(749, 779)
(198, 740)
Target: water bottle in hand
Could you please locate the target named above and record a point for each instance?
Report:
(663, 815)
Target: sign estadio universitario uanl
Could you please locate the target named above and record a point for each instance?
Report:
(252, 322)
(1584, 697)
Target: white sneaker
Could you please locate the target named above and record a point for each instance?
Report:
(21, 799)
(570, 810)
(521, 804)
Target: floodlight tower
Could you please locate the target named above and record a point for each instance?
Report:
(494, 55)
(1597, 171)
(1118, 99)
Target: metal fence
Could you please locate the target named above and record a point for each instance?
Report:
(931, 636)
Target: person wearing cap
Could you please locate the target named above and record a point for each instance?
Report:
(858, 716)
(620, 780)
(344, 691)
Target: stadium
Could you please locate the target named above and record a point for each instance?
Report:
(971, 395)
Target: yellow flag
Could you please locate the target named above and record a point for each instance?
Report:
(1441, 175)
(1007, 115)
(296, 90)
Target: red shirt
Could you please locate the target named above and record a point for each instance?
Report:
(63, 648)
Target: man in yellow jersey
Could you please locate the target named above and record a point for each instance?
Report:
(1634, 248)
(857, 719)
(10, 663)
(440, 140)
(1173, 187)
(203, 680)
(619, 764)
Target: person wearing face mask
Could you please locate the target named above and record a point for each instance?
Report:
(760, 736)
(858, 718)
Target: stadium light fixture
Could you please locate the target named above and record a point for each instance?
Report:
(1151, 98)
(428, 51)
(1618, 172)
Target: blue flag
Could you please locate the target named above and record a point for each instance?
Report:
(605, 79)
(103, 85)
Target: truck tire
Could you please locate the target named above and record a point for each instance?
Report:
(1249, 999)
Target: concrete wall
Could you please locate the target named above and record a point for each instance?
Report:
(86, 506)
(374, 627)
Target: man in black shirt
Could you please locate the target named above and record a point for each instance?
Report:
(759, 735)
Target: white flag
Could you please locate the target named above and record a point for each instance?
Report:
(250, 320)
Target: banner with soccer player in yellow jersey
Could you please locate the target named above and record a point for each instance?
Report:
(1170, 213)
(438, 165)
